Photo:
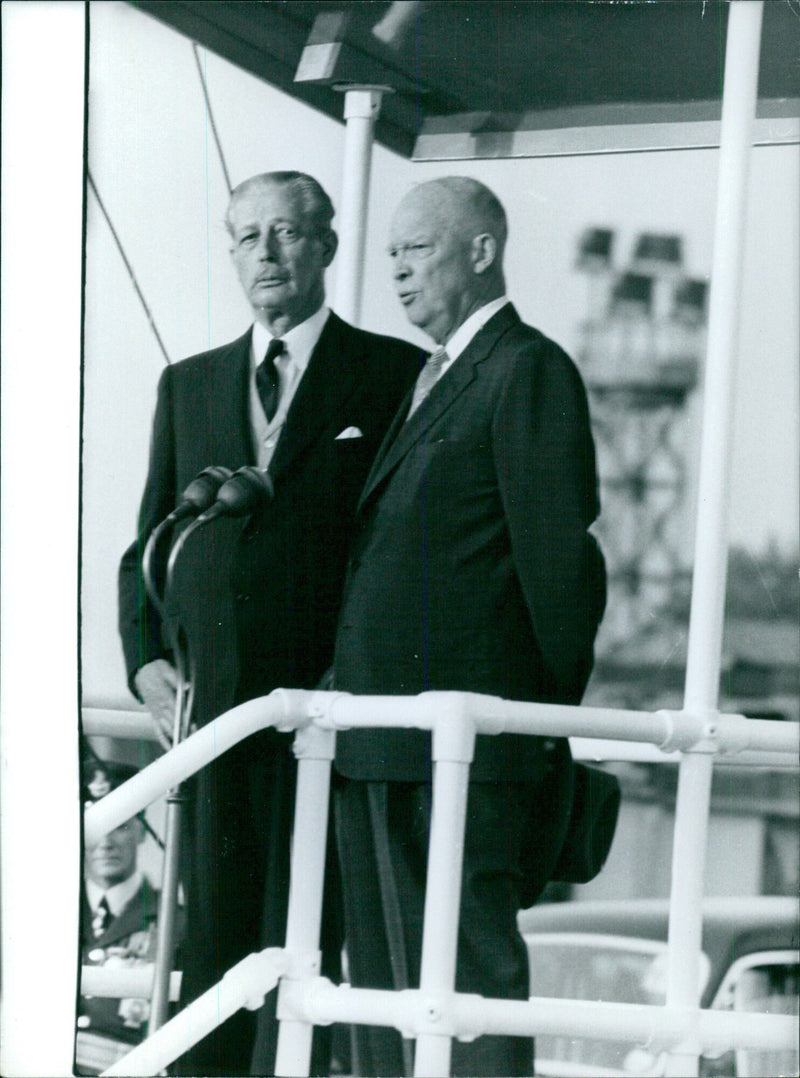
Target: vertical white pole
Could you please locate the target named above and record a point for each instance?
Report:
(361, 107)
(442, 907)
(167, 910)
(711, 542)
(314, 748)
(453, 746)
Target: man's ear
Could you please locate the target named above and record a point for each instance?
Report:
(483, 252)
(330, 242)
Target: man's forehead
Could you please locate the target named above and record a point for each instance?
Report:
(429, 210)
(265, 202)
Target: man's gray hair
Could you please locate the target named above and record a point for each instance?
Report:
(312, 197)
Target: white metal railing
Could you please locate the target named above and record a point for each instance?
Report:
(128, 724)
(135, 982)
(749, 742)
(434, 1013)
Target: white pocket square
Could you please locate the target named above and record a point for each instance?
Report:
(349, 432)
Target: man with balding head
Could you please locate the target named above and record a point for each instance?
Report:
(308, 398)
(472, 569)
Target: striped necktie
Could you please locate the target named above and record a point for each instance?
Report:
(427, 379)
(268, 381)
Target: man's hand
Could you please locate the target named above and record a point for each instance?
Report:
(156, 683)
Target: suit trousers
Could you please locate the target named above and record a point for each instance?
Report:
(382, 831)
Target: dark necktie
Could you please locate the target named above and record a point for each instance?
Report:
(101, 918)
(427, 379)
(268, 381)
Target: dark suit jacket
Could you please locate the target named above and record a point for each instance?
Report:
(129, 939)
(293, 563)
(472, 567)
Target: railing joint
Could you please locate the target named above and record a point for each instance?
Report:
(312, 742)
(256, 974)
(736, 730)
(321, 705)
(288, 720)
(295, 988)
(453, 726)
(690, 730)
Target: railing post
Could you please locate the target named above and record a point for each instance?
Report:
(711, 542)
(453, 747)
(314, 748)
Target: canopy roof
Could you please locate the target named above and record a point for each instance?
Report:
(500, 77)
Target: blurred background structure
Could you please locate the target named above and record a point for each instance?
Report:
(641, 352)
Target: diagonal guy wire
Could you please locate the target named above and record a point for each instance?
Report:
(211, 116)
(128, 267)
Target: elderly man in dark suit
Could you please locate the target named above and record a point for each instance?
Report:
(472, 569)
(307, 397)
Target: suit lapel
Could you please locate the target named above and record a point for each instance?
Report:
(229, 427)
(389, 439)
(402, 435)
(331, 378)
(406, 434)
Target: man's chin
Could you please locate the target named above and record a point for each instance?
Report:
(423, 323)
(416, 318)
(269, 297)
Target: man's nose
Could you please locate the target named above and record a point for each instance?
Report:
(401, 268)
(269, 247)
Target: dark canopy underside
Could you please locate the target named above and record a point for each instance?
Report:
(485, 67)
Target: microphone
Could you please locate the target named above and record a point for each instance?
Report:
(200, 494)
(246, 490)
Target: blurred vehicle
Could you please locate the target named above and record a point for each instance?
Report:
(616, 951)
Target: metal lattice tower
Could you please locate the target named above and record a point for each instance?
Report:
(640, 352)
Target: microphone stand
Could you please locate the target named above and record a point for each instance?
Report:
(238, 495)
(195, 500)
(170, 880)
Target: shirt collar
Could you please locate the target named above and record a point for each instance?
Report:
(469, 329)
(117, 896)
(300, 341)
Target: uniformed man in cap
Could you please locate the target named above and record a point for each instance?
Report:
(118, 927)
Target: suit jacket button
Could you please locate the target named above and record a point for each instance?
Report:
(84, 1021)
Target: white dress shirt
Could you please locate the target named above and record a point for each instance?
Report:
(117, 896)
(469, 329)
(299, 343)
